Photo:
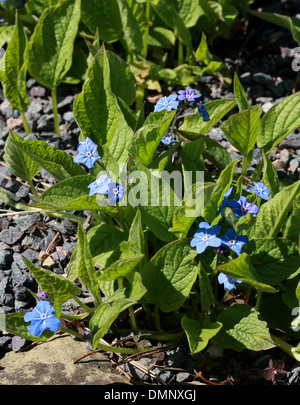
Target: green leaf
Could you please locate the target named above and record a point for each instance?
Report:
(240, 95)
(278, 122)
(136, 236)
(198, 337)
(274, 259)
(202, 52)
(242, 129)
(14, 77)
(146, 140)
(170, 275)
(243, 270)
(161, 37)
(98, 114)
(131, 29)
(193, 125)
(206, 290)
(216, 154)
(64, 287)
(242, 329)
(292, 227)
(50, 48)
(17, 161)
(55, 161)
(86, 268)
(270, 177)
(273, 213)
(70, 194)
(225, 180)
(122, 80)
(157, 206)
(109, 310)
(129, 259)
(104, 16)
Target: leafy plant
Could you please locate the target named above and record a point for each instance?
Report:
(173, 251)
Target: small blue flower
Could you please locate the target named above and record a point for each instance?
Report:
(42, 318)
(87, 153)
(229, 283)
(189, 95)
(260, 189)
(225, 200)
(167, 140)
(100, 185)
(167, 103)
(243, 206)
(115, 193)
(202, 109)
(206, 236)
(233, 241)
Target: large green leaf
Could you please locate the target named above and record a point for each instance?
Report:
(105, 16)
(274, 259)
(242, 269)
(193, 125)
(98, 113)
(242, 129)
(242, 329)
(50, 48)
(71, 194)
(131, 29)
(146, 140)
(240, 95)
(57, 162)
(170, 275)
(198, 336)
(14, 76)
(278, 122)
(156, 200)
(273, 214)
(17, 161)
(64, 287)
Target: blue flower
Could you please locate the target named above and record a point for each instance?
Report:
(225, 200)
(202, 109)
(88, 153)
(167, 103)
(242, 207)
(229, 283)
(233, 241)
(100, 185)
(206, 236)
(260, 189)
(115, 193)
(41, 318)
(167, 140)
(44, 296)
(189, 95)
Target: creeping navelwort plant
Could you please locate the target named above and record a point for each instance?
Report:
(147, 247)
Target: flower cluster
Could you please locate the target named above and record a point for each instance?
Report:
(41, 317)
(88, 155)
(206, 236)
(171, 102)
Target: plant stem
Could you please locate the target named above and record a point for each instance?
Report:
(180, 53)
(96, 216)
(289, 349)
(25, 123)
(133, 321)
(55, 112)
(244, 166)
(258, 300)
(71, 332)
(32, 188)
(157, 318)
(79, 302)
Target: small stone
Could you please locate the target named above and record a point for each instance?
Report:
(182, 376)
(279, 164)
(285, 155)
(294, 164)
(262, 78)
(25, 221)
(37, 91)
(48, 263)
(6, 259)
(246, 77)
(14, 123)
(43, 255)
(11, 235)
(17, 343)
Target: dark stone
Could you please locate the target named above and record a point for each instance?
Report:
(6, 259)
(11, 235)
(25, 221)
